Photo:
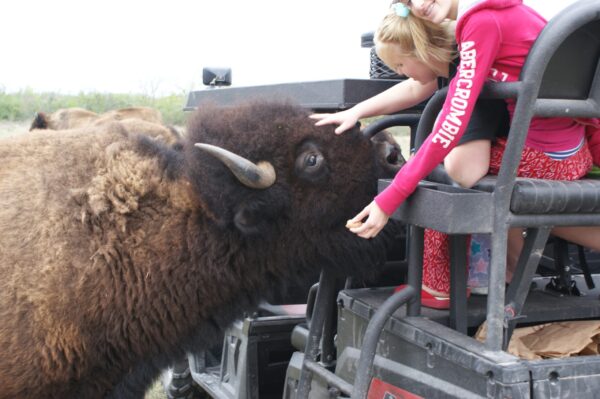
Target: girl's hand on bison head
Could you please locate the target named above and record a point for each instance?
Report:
(345, 119)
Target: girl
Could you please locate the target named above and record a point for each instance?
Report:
(494, 37)
(425, 52)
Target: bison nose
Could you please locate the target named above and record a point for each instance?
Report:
(391, 155)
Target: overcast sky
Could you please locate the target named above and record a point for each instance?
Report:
(160, 47)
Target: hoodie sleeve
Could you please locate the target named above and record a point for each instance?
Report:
(479, 43)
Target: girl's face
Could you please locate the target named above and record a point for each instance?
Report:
(412, 67)
(432, 10)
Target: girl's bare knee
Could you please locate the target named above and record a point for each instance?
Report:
(464, 175)
(467, 163)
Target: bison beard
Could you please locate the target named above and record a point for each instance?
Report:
(120, 252)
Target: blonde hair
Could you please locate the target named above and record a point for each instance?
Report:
(416, 37)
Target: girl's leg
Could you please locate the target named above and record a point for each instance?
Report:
(436, 263)
(467, 163)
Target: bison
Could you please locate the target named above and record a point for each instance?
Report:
(134, 119)
(72, 118)
(120, 252)
(65, 118)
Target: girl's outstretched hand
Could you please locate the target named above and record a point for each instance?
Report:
(345, 119)
(376, 220)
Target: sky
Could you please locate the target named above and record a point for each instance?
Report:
(158, 47)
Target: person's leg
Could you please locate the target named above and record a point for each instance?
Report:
(535, 164)
(587, 236)
(436, 263)
(515, 246)
(467, 163)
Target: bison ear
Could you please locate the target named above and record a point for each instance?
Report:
(247, 221)
(40, 121)
(256, 216)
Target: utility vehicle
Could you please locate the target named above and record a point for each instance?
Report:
(356, 342)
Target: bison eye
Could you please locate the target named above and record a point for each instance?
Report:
(312, 159)
(310, 163)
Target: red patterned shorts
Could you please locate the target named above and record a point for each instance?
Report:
(534, 164)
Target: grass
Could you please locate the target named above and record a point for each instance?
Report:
(8, 128)
(156, 392)
(23, 105)
(400, 133)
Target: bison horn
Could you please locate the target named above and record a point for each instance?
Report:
(261, 175)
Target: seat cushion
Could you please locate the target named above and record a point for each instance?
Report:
(553, 196)
(537, 196)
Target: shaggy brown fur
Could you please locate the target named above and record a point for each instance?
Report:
(168, 134)
(119, 253)
(144, 113)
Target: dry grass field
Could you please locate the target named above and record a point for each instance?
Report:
(156, 392)
(402, 136)
(10, 127)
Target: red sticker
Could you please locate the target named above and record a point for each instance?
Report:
(383, 390)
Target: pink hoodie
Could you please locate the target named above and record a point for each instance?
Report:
(494, 38)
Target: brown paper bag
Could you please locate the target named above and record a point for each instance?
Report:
(553, 340)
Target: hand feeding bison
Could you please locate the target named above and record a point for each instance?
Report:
(119, 252)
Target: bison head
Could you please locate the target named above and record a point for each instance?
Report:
(261, 164)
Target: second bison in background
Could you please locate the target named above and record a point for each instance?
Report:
(73, 118)
(120, 253)
(143, 120)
